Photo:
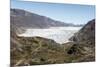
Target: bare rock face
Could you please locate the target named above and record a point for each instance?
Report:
(84, 42)
(26, 19)
(86, 33)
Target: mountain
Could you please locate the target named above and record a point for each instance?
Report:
(22, 18)
(37, 50)
(87, 33)
(84, 42)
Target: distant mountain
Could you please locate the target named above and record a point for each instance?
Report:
(22, 18)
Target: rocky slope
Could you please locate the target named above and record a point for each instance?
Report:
(86, 33)
(37, 50)
(34, 50)
(84, 42)
(22, 18)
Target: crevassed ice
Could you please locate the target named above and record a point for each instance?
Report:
(59, 34)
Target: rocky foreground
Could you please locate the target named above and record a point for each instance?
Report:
(37, 50)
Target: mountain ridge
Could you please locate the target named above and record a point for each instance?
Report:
(23, 18)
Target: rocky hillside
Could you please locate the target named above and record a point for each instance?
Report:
(86, 33)
(22, 18)
(37, 50)
(84, 42)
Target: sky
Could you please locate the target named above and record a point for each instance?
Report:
(68, 13)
